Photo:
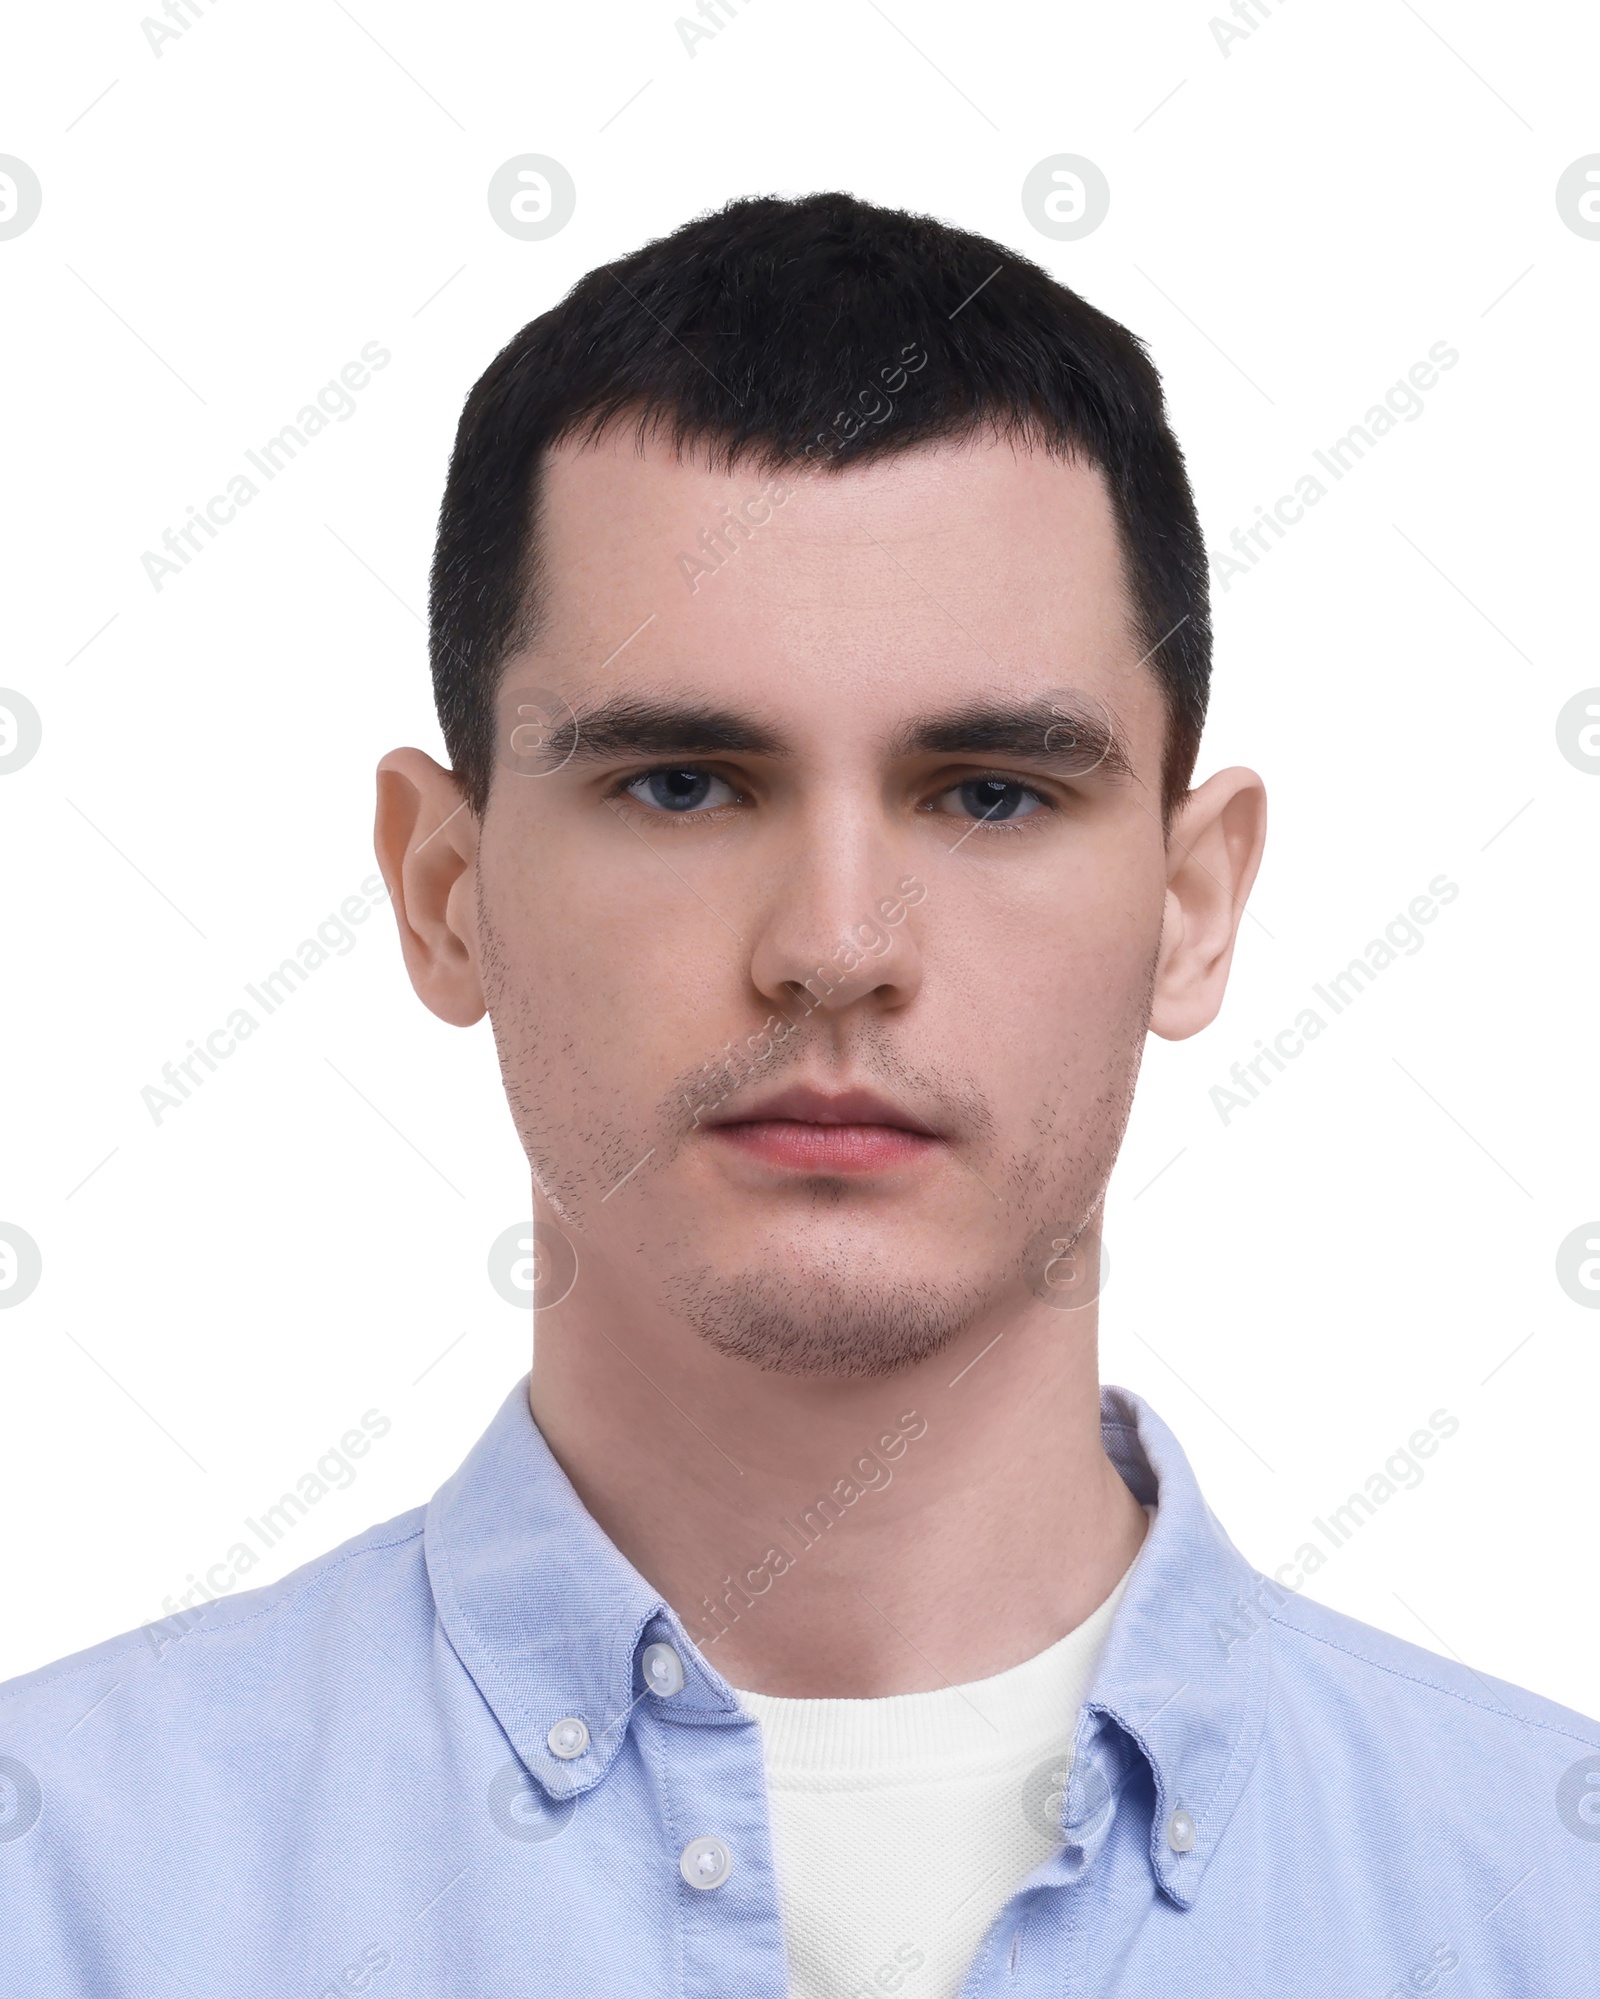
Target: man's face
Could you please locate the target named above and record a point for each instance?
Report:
(820, 970)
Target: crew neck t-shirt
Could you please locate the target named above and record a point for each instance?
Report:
(901, 1826)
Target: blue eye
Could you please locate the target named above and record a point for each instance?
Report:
(993, 799)
(681, 788)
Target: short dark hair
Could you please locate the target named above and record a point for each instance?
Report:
(754, 332)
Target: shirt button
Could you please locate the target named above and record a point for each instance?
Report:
(663, 1670)
(705, 1862)
(568, 1738)
(1181, 1831)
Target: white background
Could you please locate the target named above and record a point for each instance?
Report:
(1293, 223)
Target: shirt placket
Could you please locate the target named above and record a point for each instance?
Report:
(1059, 1934)
(712, 1845)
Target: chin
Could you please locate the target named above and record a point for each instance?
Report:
(839, 1322)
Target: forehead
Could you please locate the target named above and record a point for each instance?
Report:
(900, 583)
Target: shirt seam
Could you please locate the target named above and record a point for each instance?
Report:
(1417, 1680)
(653, 1751)
(28, 1683)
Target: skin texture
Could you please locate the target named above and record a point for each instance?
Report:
(755, 1325)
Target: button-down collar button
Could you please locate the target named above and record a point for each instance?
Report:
(568, 1738)
(1181, 1831)
(705, 1862)
(663, 1670)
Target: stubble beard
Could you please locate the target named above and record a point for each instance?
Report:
(835, 1322)
(837, 1319)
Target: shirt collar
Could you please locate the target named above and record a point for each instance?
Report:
(543, 1611)
(550, 1619)
(1184, 1675)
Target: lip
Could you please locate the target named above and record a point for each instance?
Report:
(803, 1104)
(835, 1132)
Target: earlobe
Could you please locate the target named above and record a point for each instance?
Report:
(426, 838)
(1214, 852)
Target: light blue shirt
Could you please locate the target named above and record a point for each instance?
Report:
(349, 1782)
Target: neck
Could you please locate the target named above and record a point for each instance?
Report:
(845, 1539)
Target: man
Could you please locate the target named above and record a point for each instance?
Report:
(820, 642)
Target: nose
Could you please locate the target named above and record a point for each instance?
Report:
(838, 927)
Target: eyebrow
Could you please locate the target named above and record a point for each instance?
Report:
(1061, 731)
(1058, 732)
(629, 728)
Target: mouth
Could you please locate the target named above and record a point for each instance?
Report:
(839, 1132)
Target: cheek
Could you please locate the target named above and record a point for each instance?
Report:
(622, 991)
(1067, 984)
(1072, 945)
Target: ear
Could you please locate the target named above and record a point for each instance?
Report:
(1213, 852)
(426, 839)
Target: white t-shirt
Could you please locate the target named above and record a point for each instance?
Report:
(901, 1826)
